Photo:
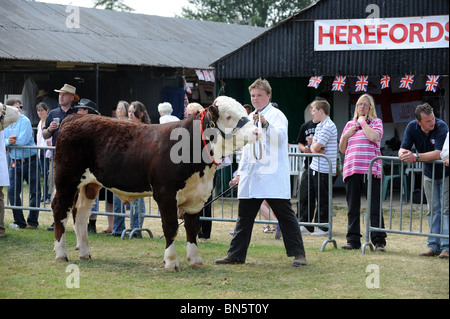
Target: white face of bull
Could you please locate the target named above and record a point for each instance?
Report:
(8, 115)
(232, 116)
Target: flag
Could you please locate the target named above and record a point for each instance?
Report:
(385, 79)
(187, 89)
(314, 81)
(432, 83)
(339, 83)
(406, 82)
(200, 75)
(362, 82)
(211, 75)
(207, 76)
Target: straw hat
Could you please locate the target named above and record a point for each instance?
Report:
(67, 88)
(42, 93)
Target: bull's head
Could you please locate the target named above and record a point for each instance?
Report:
(233, 128)
(8, 115)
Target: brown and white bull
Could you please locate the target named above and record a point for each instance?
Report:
(173, 162)
(8, 115)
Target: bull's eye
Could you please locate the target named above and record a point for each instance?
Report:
(228, 117)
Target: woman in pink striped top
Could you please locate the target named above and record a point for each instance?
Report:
(360, 141)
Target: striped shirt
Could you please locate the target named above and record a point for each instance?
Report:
(360, 151)
(325, 134)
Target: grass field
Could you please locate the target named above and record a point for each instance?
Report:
(135, 269)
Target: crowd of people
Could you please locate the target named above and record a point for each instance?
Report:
(263, 185)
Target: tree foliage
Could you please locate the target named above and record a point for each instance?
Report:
(262, 13)
(117, 5)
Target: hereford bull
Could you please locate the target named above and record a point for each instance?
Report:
(173, 162)
(8, 115)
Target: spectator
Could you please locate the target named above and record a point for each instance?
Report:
(24, 167)
(307, 193)
(428, 135)
(137, 113)
(122, 110)
(67, 96)
(44, 156)
(165, 111)
(324, 142)
(264, 174)
(360, 142)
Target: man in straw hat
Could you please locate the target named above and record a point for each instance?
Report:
(67, 96)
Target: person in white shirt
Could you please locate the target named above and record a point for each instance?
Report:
(264, 175)
(165, 111)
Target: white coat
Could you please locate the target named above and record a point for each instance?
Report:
(4, 176)
(266, 176)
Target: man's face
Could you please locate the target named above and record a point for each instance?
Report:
(65, 99)
(427, 122)
(260, 98)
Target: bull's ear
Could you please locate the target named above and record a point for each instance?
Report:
(213, 112)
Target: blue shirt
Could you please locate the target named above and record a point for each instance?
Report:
(24, 138)
(426, 143)
(57, 113)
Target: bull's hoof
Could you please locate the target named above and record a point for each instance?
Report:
(174, 268)
(85, 257)
(63, 259)
(197, 265)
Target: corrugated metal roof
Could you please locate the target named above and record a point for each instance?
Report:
(37, 31)
(287, 49)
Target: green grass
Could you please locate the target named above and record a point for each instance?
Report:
(135, 269)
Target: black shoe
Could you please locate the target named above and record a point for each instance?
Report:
(52, 227)
(349, 247)
(380, 247)
(299, 260)
(229, 261)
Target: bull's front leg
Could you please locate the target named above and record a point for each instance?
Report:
(192, 226)
(169, 219)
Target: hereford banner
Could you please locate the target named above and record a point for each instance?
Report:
(382, 34)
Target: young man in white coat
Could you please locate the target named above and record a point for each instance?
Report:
(264, 175)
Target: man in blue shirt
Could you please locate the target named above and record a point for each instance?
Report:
(24, 167)
(67, 96)
(428, 134)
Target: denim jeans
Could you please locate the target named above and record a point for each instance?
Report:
(437, 215)
(29, 172)
(119, 222)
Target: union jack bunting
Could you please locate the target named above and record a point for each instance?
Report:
(200, 75)
(338, 83)
(207, 75)
(406, 82)
(432, 83)
(314, 81)
(187, 89)
(385, 79)
(361, 83)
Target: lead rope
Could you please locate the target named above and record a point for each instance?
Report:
(258, 154)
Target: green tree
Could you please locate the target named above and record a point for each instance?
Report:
(116, 5)
(262, 13)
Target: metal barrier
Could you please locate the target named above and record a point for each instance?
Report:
(223, 205)
(414, 216)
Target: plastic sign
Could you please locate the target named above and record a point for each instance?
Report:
(382, 34)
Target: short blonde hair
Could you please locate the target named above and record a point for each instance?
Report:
(372, 111)
(262, 85)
